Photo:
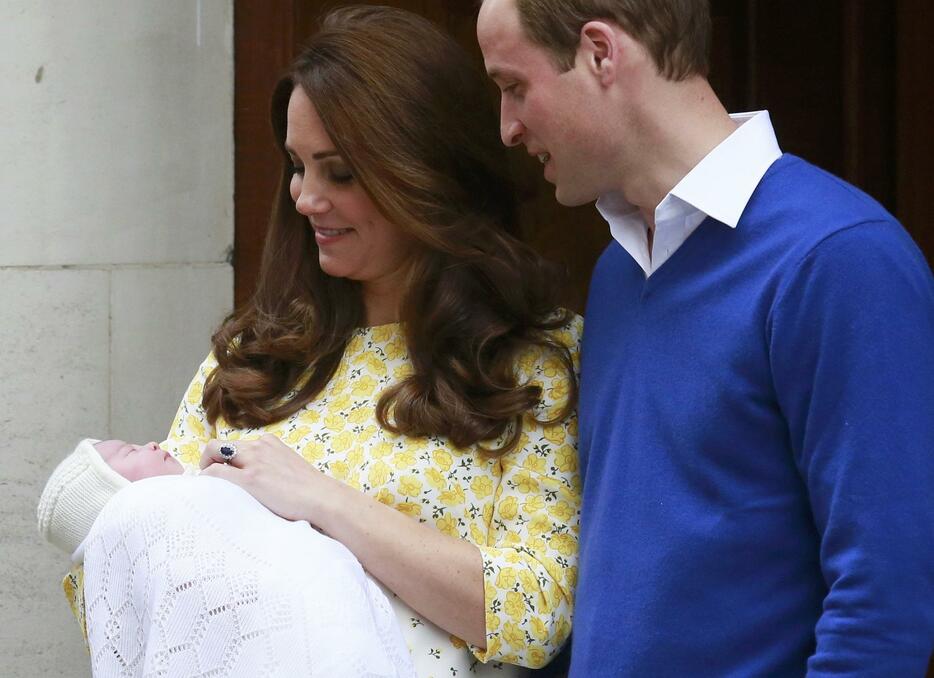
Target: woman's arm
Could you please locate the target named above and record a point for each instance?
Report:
(438, 575)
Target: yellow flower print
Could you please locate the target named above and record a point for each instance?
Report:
(561, 511)
(555, 434)
(476, 535)
(489, 591)
(493, 646)
(381, 449)
(295, 437)
(342, 403)
(355, 457)
(533, 504)
(566, 459)
(410, 486)
(453, 496)
(538, 524)
(539, 630)
(529, 583)
(560, 389)
(513, 635)
(366, 434)
(535, 544)
(404, 371)
(382, 333)
(335, 422)
(434, 478)
(552, 367)
(442, 459)
(506, 578)
(364, 386)
(564, 630)
(525, 483)
(342, 441)
(379, 473)
(190, 453)
(447, 525)
(339, 470)
(313, 451)
(492, 621)
(375, 366)
(512, 539)
(514, 605)
(487, 513)
(355, 345)
(482, 487)
(509, 508)
(404, 459)
(384, 496)
(195, 426)
(396, 349)
(536, 657)
(194, 395)
(564, 544)
(571, 576)
(527, 362)
(572, 427)
(360, 415)
(311, 416)
(534, 463)
(457, 643)
(409, 509)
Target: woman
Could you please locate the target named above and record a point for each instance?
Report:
(408, 347)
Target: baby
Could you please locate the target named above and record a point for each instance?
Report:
(87, 479)
(216, 579)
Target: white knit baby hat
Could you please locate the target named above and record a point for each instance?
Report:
(74, 496)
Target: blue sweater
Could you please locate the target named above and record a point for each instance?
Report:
(757, 447)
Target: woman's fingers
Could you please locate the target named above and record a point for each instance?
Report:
(225, 452)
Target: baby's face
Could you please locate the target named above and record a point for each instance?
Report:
(135, 462)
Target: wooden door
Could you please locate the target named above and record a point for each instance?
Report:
(846, 83)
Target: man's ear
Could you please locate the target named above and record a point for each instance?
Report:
(601, 49)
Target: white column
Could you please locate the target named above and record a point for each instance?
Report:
(116, 222)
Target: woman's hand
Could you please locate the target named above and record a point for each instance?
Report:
(438, 575)
(273, 473)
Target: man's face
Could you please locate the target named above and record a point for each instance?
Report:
(543, 109)
(135, 462)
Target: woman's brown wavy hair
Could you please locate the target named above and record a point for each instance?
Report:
(414, 120)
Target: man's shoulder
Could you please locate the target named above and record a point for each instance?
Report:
(797, 191)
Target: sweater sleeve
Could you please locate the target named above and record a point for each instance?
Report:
(191, 428)
(530, 557)
(851, 339)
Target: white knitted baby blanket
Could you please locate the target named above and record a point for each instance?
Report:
(191, 576)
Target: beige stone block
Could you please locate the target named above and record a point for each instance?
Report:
(162, 323)
(54, 388)
(117, 131)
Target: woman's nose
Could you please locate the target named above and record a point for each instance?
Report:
(312, 203)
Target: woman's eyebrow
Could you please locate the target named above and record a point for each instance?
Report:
(320, 155)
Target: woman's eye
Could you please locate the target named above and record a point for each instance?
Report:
(296, 169)
(344, 177)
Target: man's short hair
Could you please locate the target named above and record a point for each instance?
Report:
(676, 33)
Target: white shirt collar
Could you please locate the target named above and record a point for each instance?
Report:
(719, 186)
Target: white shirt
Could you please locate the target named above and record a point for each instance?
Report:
(719, 186)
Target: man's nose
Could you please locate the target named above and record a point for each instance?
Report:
(511, 132)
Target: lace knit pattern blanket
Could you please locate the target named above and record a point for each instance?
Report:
(191, 576)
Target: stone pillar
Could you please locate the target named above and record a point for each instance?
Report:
(116, 224)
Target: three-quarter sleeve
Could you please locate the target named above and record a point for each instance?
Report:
(530, 556)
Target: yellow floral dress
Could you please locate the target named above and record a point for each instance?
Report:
(520, 509)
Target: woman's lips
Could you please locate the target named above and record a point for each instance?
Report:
(324, 236)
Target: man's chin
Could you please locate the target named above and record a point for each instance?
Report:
(570, 198)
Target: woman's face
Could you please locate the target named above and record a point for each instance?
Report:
(354, 240)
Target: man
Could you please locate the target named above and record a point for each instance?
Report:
(757, 385)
